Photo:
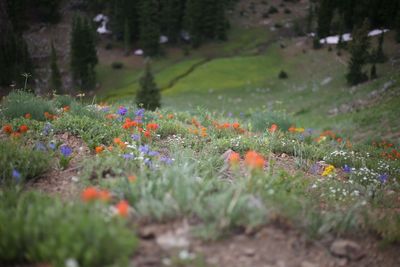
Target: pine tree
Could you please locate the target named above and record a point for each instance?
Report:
(14, 54)
(379, 54)
(55, 78)
(148, 95)
(150, 27)
(193, 21)
(171, 18)
(310, 18)
(359, 54)
(397, 26)
(83, 54)
(373, 74)
(127, 37)
(221, 23)
(325, 15)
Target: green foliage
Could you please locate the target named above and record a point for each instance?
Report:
(150, 27)
(93, 131)
(83, 54)
(149, 95)
(14, 58)
(55, 79)
(37, 228)
(261, 120)
(283, 75)
(19, 103)
(359, 54)
(27, 162)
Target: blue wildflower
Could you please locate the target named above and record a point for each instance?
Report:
(16, 175)
(140, 112)
(315, 169)
(122, 111)
(147, 162)
(47, 128)
(135, 137)
(346, 169)
(144, 149)
(66, 151)
(128, 156)
(153, 153)
(166, 160)
(40, 146)
(52, 146)
(383, 178)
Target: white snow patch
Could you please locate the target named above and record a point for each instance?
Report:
(138, 52)
(347, 37)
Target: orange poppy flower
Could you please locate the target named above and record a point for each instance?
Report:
(123, 208)
(7, 129)
(90, 194)
(104, 195)
(132, 178)
(254, 160)
(99, 149)
(234, 159)
(273, 128)
(23, 128)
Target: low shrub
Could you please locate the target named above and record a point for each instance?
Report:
(117, 65)
(283, 75)
(39, 229)
(19, 103)
(263, 119)
(19, 163)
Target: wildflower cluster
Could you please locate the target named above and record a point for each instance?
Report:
(15, 133)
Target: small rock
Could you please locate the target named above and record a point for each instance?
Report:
(347, 249)
(75, 179)
(308, 264)
(249, 252)
(283, 155)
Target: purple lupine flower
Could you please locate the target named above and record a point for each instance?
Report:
(140, 112)
(52, 146)
(128, 156)
(153, 153)
(166, 160)
(122, 111)
(105, 109)
(346, 169)
(135, 137)
(47, 128)
(147, 162)
(144, 149)
(66, 151)
(230, 114)
(16, 175)
(40, 146)
(315, 168)
(383, 178)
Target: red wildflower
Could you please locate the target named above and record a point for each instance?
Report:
(132, 178)
(23, 128)
(7, 129)
(99, 149)
(28, 116)
(152, 126)
(236, 125)
(254, 160)
(147, 134)
(104, 195)
(170, 116)
(66, 108)
(123, 208)
(90, 194)
(273, 128)
(234, 159)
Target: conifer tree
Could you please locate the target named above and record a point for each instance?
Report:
(193, 21)
(373, 74)
(325, 15)
(221, 23)
(83, 54)
(55, 79)
(127, 37)
(14, 54)
(379, 54)
(359, 54)
(171, 13)
(150, 27)
(148, 96)
(397, 26)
